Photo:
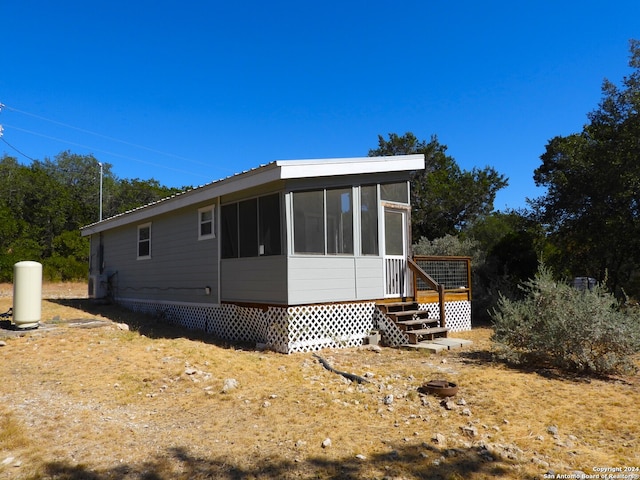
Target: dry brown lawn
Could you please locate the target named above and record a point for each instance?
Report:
(83, 398)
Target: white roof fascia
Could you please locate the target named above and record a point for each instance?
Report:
(349, 166)
(279, 170)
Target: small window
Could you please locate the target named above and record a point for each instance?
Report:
(205, 223)
(144, 241)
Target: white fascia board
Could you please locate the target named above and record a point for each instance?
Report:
(331, 167)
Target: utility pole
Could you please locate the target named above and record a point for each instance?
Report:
(100, 163)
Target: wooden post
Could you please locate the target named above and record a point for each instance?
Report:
(414, 282)
(469, 278)
(443, 321)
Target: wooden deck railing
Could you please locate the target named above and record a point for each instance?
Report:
(441, 279)
(425, 277)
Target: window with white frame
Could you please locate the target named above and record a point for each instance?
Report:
(323, 222)
(206, 223)
(144, 241)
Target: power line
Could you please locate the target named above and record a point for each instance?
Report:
(106, 137)
(126, 157)
(14, 148)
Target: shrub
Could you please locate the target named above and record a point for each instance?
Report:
(554, 324)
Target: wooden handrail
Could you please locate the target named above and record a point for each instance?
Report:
(428, 279)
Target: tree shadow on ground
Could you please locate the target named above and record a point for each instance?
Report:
(149, 325)
(408, 462)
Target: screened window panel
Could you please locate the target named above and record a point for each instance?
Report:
(248, 221)
(369, 219)
(229, 221)
(395, 192)
(269, 228)
(339, 221)
(308, 222)
(393, 233)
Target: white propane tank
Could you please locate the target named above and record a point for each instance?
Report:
(27, 293)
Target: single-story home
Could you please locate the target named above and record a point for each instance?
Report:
(295, 255)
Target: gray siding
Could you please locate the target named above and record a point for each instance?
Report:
(254, 279)
(180, 267)
(320, 279)
(369, 278)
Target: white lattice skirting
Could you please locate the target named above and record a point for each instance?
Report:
(301, 328)
(284, 329)
(457, 314)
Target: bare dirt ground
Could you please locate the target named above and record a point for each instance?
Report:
(99, 393)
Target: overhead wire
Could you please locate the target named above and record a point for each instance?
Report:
(106, 137)
(99, 150)
(14, 148)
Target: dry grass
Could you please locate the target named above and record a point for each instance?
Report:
(104, 403)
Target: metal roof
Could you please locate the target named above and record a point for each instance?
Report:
(263, 174)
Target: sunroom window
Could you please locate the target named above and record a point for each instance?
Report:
(308, 222)
(339, 221)
(323, 222)
(369, 219)
(395, 192)
(251, 228)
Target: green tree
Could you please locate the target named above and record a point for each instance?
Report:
(44, 204)
(130, 194)
(79, 177)
(445, 198)
(592, 205)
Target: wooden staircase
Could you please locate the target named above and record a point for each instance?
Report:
(413, 322)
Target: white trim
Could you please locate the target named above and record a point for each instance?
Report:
(330, 167)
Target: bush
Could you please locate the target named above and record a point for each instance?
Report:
(555, 324)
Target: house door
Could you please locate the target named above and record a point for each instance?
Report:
(395, 252)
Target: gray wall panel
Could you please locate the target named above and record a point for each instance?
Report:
(255, 279)
(180, 267)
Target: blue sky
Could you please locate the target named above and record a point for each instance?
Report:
(193, 91)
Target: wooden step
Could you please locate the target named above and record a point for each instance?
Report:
(409, 313)
(393, 307)
(416, 335)
(405, 325)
